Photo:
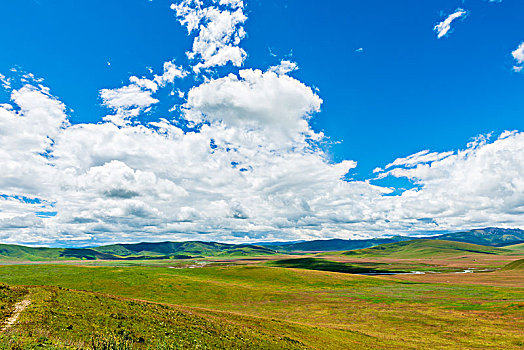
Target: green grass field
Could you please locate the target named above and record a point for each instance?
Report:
(307, 302)
(306, 309)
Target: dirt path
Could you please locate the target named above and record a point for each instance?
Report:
(19, 307)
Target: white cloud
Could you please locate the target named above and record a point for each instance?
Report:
(27, 134)
(142, 83)
(248, 174)
(444, 27)
(419, 158)
(171, 72)
(481, 185)
(518, 55)
(220, 30)
(128, 101)
(278, 104)
(284, 67)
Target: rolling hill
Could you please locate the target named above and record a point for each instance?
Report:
(22, 253)
(515, 265)
(421, 248)
(493, 237)
(516, 247)
(139, 251)
(192, 248)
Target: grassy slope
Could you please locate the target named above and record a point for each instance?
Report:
(342, 310)
(421, 248)
(515, 265)
(10, 252)
(58, 318)
(516, 247)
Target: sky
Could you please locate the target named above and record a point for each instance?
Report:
(251, 121)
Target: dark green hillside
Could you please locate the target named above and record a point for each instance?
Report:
(422, 248)
(21, 253)
(491, 236)
(194, 248)
(16, 252)
(140, 251)
(515, 265)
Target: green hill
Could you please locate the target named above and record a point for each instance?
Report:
(422, 248)
(22, 253)
(516, 247)
(194, 248)
(515, 265)
(139, 251)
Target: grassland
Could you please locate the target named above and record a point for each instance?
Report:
(273, 303)
(314, 308)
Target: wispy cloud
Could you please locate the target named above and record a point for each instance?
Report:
(444, 27)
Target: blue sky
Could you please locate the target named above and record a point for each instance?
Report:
(389, 86)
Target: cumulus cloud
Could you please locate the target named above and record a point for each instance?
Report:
(171, 72)
(275, 103)
(220, 30)
(249, 171)
(284, 67)
(444, 27)
(518, 55)
(129, 101)
(481, 185)
(27, 134)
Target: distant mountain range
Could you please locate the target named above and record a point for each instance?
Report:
(496, 237)
(492, 236)
(335, 244)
